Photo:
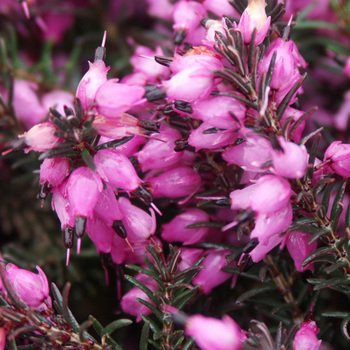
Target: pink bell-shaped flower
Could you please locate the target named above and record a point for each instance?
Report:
(129, 302)
(272, 224)
(208, 137)
(270, 194)
(175, 183)
(299, 248)
(219, 111)
(212, 276)
(159, 152)
(139, 225)
(254, 17)
(260, 251)
(116, 169)
(107, 207)
(54, 171)
(214, 334)
(291, 161)
(250, 155)
(114, 98)
(32, 288)
(306, 337)
(101, 234)
(93, 79)
(41, 137)
(83, 188)
(338, 154)
(187, 15)
(176, 231)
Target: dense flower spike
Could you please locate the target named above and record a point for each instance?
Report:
(194, 170)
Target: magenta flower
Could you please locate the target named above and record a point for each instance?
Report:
(32, 288)
(101, 234)
(208, 137)
(305, 338)
(54, 171)
(139, 225)
(254, 17)
(299, 248)
(214, 334)
(187, 15)
(218, 111)
(176, 231)
(116, 169)
(347, 67)
(83, 189)
(93, 79)
(114, 98)
(132, 306)
(41, 137)
(291, 161)
(175, 183)
(212, 276)
(338, 154)
(260, 251)
(271, 193)
(159, 152)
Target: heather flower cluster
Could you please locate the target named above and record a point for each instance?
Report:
(202, 177)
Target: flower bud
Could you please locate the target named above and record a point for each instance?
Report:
(176, 231)
(159, 152)
(93, 79)
(212, 276)
(132, 306)
(339, 155)
(306, 337)
(254, 17)
(41, 137)
(54, 171)
(32, 288)
(291, 161)
(299, 248)
(116, 169)
(175, 183)
(114, 98)
(208, 137)
(211, 333)
(137, 222)
(83, 188)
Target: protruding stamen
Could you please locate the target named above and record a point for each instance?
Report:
(230, 225)
(67, 256)
(103, 44)
(156, 209)
(129, 244)
(7, 152)
(78, 245)
(25, 9)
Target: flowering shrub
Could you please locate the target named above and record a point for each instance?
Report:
(199, 155)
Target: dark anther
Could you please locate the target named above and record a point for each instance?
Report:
(223, 203)
(168, 109)
(276, 145)
(68, 237)
(100, 53)
(154, 93)
(164, 61)
(68, 111)
(183, 106)
(180, 35)
(246, 216)
(142, 194)
(45, 189)
(119, 228)
(106, 260)
(181, 145)
(246, 263)
(251, 245)
(149, 125)
(212, 131)
(80, 223)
